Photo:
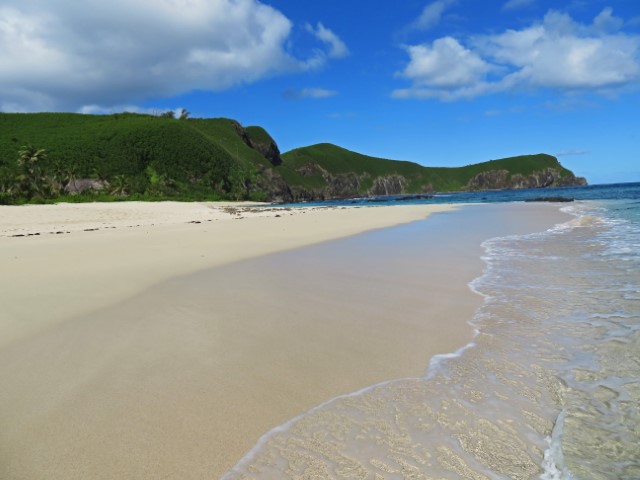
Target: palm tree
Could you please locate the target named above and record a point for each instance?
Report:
(30, 180)
(29, 158)
(72, 176)
(59, 174)
(119, 186)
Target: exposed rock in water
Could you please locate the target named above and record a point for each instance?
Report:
(408, 198)
(550, 199)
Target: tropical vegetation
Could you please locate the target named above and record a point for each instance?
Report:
(47, 157)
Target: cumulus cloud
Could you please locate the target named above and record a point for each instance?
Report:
(309, 93)
(557, 53)
(66, 55)
(432, 14)
(444, 64)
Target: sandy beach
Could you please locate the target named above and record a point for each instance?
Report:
(162, 340)
(79, 258)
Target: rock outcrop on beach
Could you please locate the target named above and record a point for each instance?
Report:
(150, 157)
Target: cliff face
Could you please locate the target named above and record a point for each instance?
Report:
(259, 141)
(388, 185)
(268, 149)
(347, 185)
(503, 180)
(325, 171)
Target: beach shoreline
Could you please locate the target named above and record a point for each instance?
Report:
(102, 381)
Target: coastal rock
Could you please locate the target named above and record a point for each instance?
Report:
(262, 143)
(492, 179)
(273, 185)
(268, 150)
(570, 180)
(550, 199)
(347, 185)
(409, 198)
(343, 186)
(388, 185)
(311, 169)
(502, 180)
(80, 185)
(242, 133)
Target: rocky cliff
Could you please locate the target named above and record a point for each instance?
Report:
(345, 185)
(326, 171)
(503, 180)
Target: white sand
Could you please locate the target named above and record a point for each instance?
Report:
(111, 369)
(52, 277)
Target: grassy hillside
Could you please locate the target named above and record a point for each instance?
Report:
(148, 157)
(157, 156)
(338, 161)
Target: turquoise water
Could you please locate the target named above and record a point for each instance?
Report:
(618, 191)
(549, 387)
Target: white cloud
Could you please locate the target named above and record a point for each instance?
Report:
(64, 55)
(432, 14)
(337, 48)
(309, 93)
(517, 4)
(605, 21)
(557, 53)
(565, 153)
(562, 54)
(445, 69)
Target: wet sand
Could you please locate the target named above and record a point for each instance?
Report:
(156, 365)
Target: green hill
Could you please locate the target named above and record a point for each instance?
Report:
(134, 156)
(319, 166)
(158, 157)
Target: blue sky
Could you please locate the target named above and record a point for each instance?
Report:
(444, 82)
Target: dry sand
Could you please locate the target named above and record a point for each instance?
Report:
(117, 360)
(73, 259)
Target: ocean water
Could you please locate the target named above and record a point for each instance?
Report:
(591, 192)
(549, 387)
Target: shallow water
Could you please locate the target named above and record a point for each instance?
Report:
(549, 388)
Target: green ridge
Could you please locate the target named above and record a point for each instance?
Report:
(336, 161)
(151, 158)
